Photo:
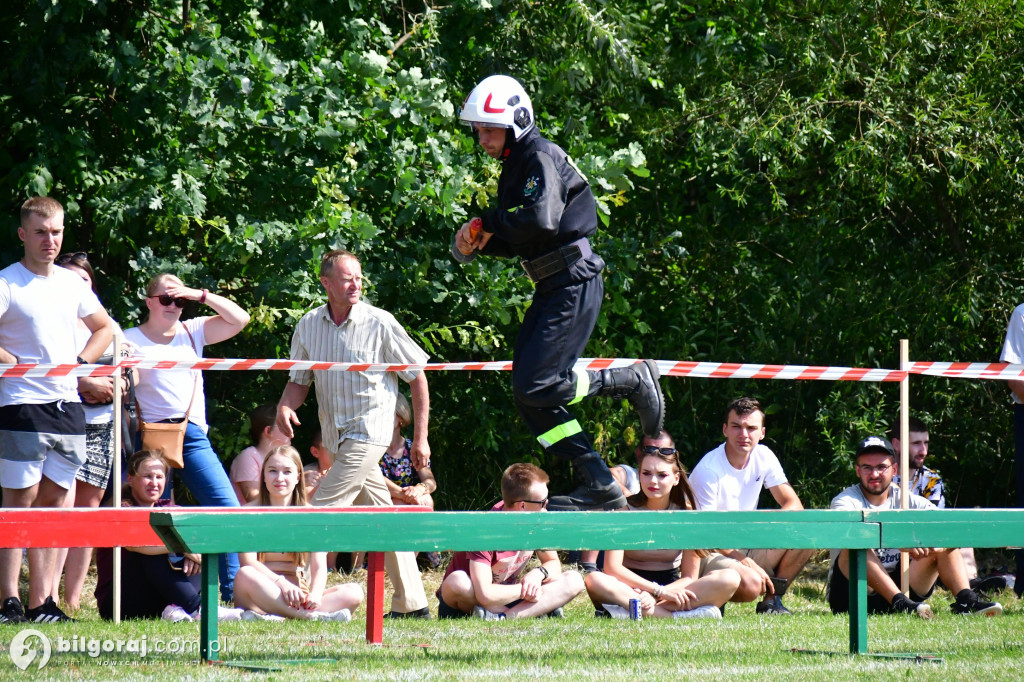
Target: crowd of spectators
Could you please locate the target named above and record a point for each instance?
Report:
(56, 451)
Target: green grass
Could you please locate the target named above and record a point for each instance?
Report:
(743, 646)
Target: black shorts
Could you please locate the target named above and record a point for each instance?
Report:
(839, 594)
(663, 578)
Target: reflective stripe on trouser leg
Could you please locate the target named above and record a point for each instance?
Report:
(582, 385)
(560, 432)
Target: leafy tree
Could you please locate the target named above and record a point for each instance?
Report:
(782, 182)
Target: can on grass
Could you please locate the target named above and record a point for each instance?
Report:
(635, 612)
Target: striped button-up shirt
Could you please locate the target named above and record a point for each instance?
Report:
(355, 405)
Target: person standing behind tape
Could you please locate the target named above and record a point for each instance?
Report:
(176, 395)
(545, 216)
(357, 409)
(1013, 353)
(42, 422)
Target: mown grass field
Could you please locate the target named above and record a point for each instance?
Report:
(743, 646)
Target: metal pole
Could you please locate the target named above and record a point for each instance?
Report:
(904, 453)
(116, 473)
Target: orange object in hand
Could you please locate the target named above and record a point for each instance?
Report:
(475, 227)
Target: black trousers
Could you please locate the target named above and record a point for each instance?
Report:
(552, 338)
(149, 583)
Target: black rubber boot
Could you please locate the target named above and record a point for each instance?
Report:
(639, 385)
(598, 490)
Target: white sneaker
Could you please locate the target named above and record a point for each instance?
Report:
(616, 611)
(225, 614)
(255, 615)
(483, 614)
(340, 616)
(175, 614)
(706, 611)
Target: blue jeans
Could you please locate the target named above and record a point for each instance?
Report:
(209, 483)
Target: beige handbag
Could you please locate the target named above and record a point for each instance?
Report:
(168, 438)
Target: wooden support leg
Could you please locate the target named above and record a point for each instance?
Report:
(209, 646)
(858, 573)
(375, 598)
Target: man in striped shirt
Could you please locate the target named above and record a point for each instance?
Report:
(357, 409)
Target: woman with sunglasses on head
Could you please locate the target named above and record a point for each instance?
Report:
(170, 395)
(665, 581)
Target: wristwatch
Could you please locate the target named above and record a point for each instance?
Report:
(544, 571)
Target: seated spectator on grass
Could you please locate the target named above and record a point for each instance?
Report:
(731, 477)
(876, 464)
(628, 480)
(407, 484)
(312, 473)
(494, 585)
(245, 470)
(318, 468)
(154, 583)
(666, 581)
(277, 585)
(928, 484)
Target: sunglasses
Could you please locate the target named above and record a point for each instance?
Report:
(168, 300)
(68, 257)
(654, 450)
(543, 503)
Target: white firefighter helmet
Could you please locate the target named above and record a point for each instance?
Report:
(499, 101)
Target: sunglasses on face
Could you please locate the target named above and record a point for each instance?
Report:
(168, 300)
(654, 450)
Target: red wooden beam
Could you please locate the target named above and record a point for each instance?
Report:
(375, 598)
(127, 527)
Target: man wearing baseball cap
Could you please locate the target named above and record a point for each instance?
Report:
(875, 466)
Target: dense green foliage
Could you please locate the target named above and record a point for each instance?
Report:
(780, 182)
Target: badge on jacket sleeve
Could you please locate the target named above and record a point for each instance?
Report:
(531, 185)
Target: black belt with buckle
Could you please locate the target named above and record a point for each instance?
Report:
(553, 262)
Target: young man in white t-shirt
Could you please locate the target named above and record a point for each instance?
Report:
(1013, 353)
(876, 466)
(42, 424)
(730, 477)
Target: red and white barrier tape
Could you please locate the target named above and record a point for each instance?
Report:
(968, 370)
(708, 370)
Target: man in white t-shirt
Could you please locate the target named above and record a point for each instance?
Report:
(730, 477)
(876, 465)
(1013, 353)
(42, 424)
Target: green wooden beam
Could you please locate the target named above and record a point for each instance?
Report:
(858, 579)
(209, 644)
(323, 530)
(950, 527)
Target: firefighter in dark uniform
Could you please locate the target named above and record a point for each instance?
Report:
(545, 214)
